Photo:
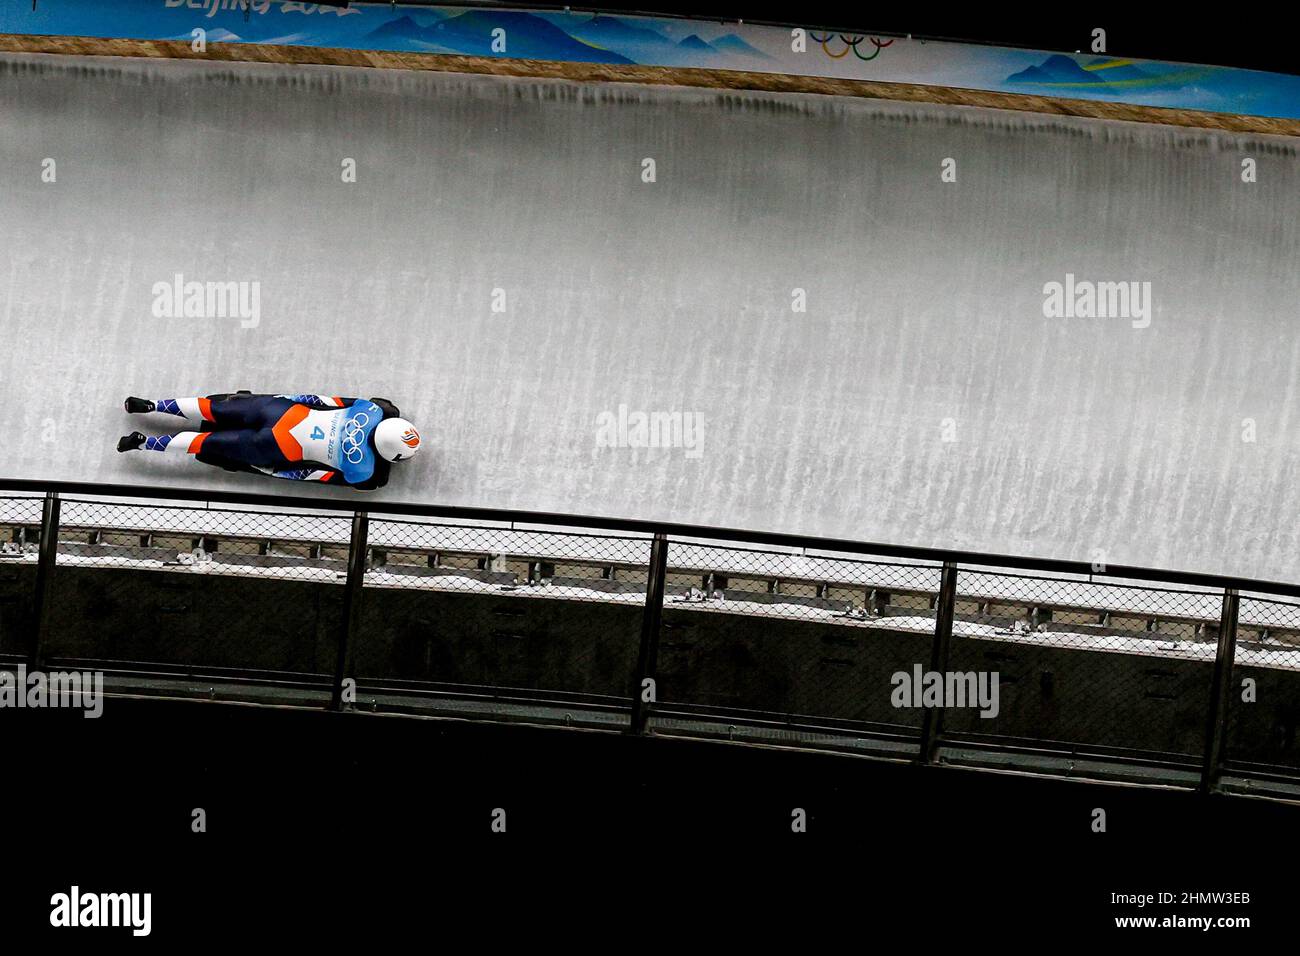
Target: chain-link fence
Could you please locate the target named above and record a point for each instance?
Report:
(494, 615)
(197, 587)
(20, 535)
(1106, 668)
(784, 644)
(1264, 692)
(791, 641)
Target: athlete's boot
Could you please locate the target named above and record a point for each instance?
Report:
(131, 442)
(138, 406)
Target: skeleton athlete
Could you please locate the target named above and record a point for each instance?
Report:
(348, 441)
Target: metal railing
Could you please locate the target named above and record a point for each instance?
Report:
(650, 627)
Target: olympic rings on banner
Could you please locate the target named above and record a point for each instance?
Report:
(850, 45)
(877, 44)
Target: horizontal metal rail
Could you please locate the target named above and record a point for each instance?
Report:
(650, 528)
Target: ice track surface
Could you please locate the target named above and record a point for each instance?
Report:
(924, 300)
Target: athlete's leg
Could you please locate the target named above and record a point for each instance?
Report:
(238, 447)
(246, 411)
(240, 410)
(195, 410)
(229, 447)
(182, 443)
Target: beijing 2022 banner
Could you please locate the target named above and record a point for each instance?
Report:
(617, 39)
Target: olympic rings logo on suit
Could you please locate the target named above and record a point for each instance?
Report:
(354, 438)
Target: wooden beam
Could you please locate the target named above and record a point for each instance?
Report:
(660, 75)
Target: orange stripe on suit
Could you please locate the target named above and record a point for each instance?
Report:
(289, 446)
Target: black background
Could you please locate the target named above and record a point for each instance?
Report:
(321, 825)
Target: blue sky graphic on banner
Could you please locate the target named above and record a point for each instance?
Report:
(584, 37)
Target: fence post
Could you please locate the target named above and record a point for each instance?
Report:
(651, 624)
(46, 559)
(932, 718)
(351, 601)
(1216, 725)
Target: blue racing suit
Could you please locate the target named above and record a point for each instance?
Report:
(297, 437)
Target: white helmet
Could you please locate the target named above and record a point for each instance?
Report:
(396, 439)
